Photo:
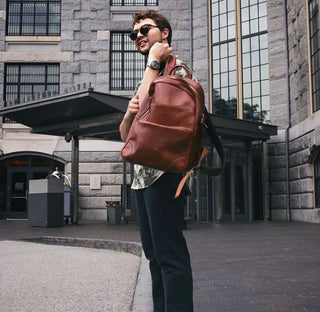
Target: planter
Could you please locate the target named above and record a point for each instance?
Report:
(114, 213)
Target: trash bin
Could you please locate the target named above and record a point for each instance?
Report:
(45, 202)
(114, 212)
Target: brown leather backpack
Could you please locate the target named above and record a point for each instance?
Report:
(166, 133)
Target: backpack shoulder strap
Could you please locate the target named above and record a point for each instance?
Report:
(171, 62)
(214, 137)
(218, 146)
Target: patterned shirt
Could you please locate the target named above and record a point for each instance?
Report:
(145, 176)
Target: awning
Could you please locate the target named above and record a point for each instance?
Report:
(84, 113)
(89, 113)
(242, 130)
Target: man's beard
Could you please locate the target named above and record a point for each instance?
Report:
(146, 53)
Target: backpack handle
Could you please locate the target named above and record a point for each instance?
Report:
(184, 67)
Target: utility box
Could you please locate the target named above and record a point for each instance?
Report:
(46, 202)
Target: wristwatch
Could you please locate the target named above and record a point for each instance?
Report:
(153, 64)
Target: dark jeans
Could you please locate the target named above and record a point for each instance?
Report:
(161, 222)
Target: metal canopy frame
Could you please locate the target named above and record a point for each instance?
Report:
(91, 114)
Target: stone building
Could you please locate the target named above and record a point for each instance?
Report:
(259, 69)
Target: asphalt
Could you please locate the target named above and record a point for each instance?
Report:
(252, 267)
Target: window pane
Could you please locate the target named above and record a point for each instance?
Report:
(26, 80)
(255, 73)
(223, 34)
(224, 80)
(247, 90)
(254, 27)
(33, 17)
(254, 56)
(256, 89)
(216, 66)
(253, 12)
(232, 78)
(315, 51)
(223, 20)
(246, 75)
(224, 50)
(232, 63)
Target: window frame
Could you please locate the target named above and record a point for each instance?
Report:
(314, 73)
(129, 83)
(19, 84)
(241, 109)
(33, 15)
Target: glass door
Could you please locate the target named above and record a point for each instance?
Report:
(17, 194)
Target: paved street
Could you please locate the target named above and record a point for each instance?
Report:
(253, 267)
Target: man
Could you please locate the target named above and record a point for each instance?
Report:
(160, 216)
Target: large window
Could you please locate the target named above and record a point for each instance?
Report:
(224, 58)
(315, 52)
(127, 65)
(33, 17)
(23, 82)
(134, 2)
(240, 64)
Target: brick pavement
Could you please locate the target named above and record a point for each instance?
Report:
(257, 267)
(253, 267)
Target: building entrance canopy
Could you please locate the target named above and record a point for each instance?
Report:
(84, 113)
(88, 113)
(91, 114)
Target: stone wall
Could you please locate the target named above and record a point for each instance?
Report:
(201, 63)
(177, 12)
(81, 25)
(277, 63)
(278, 104)
(298, 59)
(99, 182)
(303, 124)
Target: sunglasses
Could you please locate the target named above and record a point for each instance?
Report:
(143, 31)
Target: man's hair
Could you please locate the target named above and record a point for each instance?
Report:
(159, 19)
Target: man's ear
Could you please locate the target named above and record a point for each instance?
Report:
(165, 34)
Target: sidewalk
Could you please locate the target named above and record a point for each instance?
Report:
(253, 267)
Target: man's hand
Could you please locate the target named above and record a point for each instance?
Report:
(127, 120)
(159, 51)
(133, 106)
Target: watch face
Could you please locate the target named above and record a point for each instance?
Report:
(154, 65)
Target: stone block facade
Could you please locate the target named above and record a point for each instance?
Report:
(83, 52)
(298, 125)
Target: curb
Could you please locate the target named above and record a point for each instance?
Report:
(130, 247)
(142, 299)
